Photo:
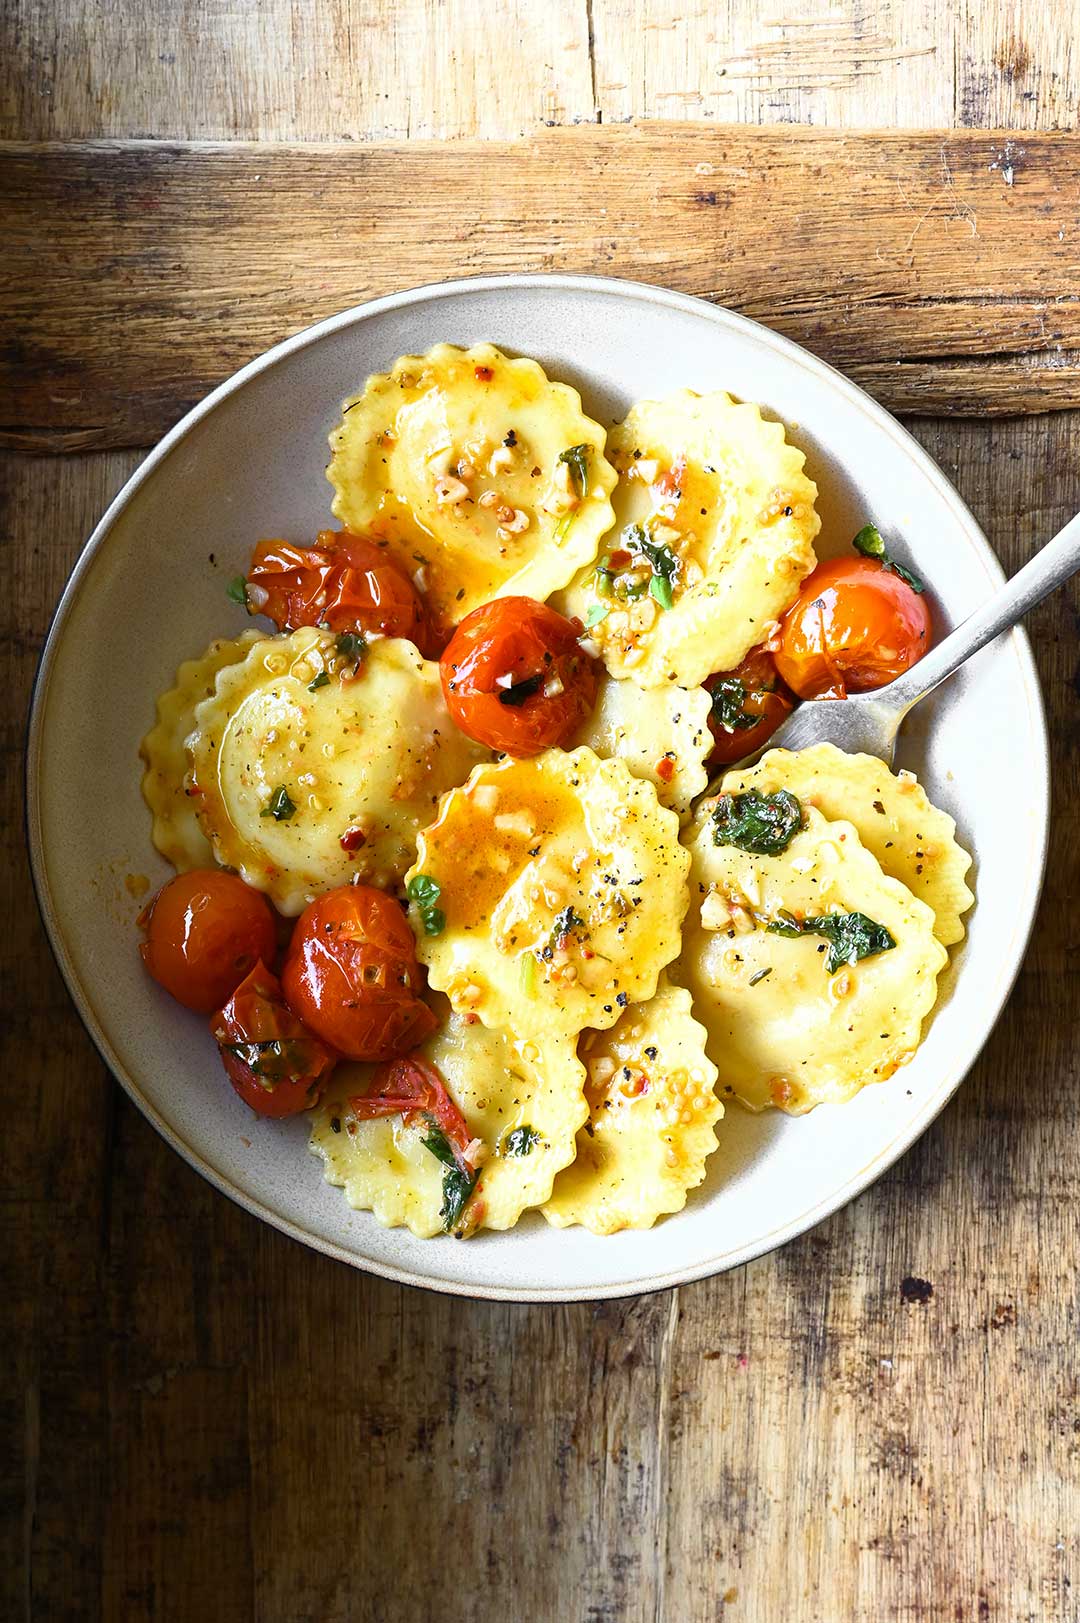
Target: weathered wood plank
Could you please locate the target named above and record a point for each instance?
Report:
(908, 260)
(346, 70)
(206, 1414)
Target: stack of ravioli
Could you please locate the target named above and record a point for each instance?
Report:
(607, 972)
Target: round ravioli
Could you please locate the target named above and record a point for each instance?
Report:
(716, 526)
(315, 762)
(652, 1119)
(480, 476)
(176, 832)
(661, 733)
(910, 838)
(768, 954)
(563, 887)
(523, 1103)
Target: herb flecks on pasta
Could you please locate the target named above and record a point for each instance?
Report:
(811, 970)
(479, 476)
(716, 528)
(564, 885)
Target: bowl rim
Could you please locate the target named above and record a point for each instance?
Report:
(701, 308)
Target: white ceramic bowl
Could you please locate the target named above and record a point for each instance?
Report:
(249, 462)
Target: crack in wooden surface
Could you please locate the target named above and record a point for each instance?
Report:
(173, 240)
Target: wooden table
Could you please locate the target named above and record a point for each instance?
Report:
(880, 1422)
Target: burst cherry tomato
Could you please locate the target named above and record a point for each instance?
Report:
(204, 931)
(351, 975)
(749, 703)
(274, 1063)
(409, 1086)
(343, 581)
(515, 676)
(855, 625)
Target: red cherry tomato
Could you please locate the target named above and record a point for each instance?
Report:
(409, 1086)
(855, 625)
(274, 1063)
(351, 975)
(515, 677)
(749, 703)
(343, 581)
(204, 931)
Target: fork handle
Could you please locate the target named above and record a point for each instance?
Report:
(1050, 568)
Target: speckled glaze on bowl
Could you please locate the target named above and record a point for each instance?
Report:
(249, 462)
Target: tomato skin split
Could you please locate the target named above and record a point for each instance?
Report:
(516, 678)
(855, 626)
(344, 582)
(754, 702)
(275, 1064)
(411, 1087)
(352, 976)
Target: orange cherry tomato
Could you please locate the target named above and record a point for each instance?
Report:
(351, 975)
(408, 1087)
(274, 1063)
(204, 931)
(343, 581)
(854, 626)
(749, 703)
(515, 676)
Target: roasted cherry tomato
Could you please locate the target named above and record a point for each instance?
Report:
(343, 581)
(854, 626)
(749, 703)
(204, 931)
(408, 1087)
(515, 676)
(275, 1064)
(351, 974)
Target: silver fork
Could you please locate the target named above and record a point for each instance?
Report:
(869, 722)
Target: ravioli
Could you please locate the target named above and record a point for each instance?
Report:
(717, 517)
(661, 733)
(563, 886)
(284, 764)
(652, 1119)
(456, 462)
(910, 838)
(523, 1102)
(783, 1030)
(176, 832)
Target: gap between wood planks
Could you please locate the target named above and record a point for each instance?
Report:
(939, 270)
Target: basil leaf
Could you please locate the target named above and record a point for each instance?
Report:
(663, 562)
(437, 1142)
(320, 682)
(851, 936)
(763, 824)
(457, 1187)
(597, 612)
(728, 699)
(423, 890)
(576, 458)
(457, 1184)
(520, 1141)
(870, 544)
(518, 692)
(433, 920)
(237, 591)
(352, 645)
(660, 589)
(281, 807)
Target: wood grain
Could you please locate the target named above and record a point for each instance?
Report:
(200, 1419)
(953, 284)
(209, 1421)
(350, 70)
